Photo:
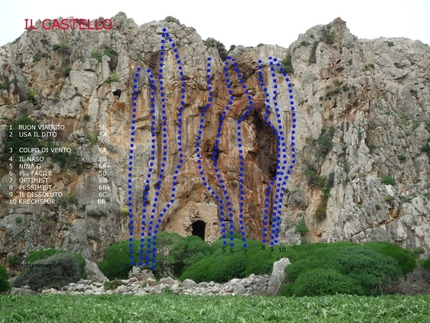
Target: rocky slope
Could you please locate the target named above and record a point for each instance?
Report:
(363, 120)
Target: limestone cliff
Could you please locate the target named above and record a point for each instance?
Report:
(363, 119)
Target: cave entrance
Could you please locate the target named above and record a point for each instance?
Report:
(198, 229)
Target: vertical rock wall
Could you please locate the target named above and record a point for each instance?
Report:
(374, 93)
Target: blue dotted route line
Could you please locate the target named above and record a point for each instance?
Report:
(282, 160)
(215, 164)
(152, 159)
(198, 155)
(130, 166)
(277, 209)
(148, 177)
(280, 187)
(240, 146)
(179, 139)
(292, 138)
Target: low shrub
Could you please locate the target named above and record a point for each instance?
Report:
(226, 263)
(367, 268)
(174, 254)
(418, 251)
(302, 228)
(323, 281)
(14, 260)
(212, 42)
(4, 283)
(97, 56)
(47, 253)
(187, 252)
(287, 64)
(116, 264)
(312, 57)
(414, 283)
(53, 272)
(112, 285)
(425, 264)
(388, 180)
(404, 259)
(218, 268)
(325, 142)
(112, 78)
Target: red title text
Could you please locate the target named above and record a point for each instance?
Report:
(71, 23)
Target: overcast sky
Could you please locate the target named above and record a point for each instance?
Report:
(237, 22)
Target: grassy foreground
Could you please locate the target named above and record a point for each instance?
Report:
(174, 308)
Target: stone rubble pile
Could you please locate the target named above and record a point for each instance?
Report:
(142, 282)
(252, 285)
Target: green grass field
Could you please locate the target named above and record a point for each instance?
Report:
(169, 308)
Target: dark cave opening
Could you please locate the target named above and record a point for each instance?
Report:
(266, 139)
(117, 93)
(198, 229)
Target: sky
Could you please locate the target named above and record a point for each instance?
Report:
(237, 22)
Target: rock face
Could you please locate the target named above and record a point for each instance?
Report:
(362, 113)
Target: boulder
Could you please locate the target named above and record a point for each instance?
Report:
(188, 283)
(93, 272)
(144, 275)
(239, 289)
(22, 291)
(278, 276)
(169, 281)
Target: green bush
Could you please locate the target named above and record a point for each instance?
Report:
(6, 82)
(112, 78)
(116, 264)
(212, 42)
(53, 272)
(174, 254)
(402, 158)
(97, 56)
(418, 251)
(166, 262)
(67, 161)
(387, 180)
(404, 260)
(32, 96)
(360, 264)
(325, 142)
(46, 253)
(321, 212)
(113, 284)
(62, 48)
(312, 177)
(323, 281)
(301, 227)
(312, 56)
(4, 283)
(287, 64)
(113, 55)
(329, 39)
(389, 198)
(425, 264)
(14, 260)
(187, 252)
(218, 267)
(226, 263)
